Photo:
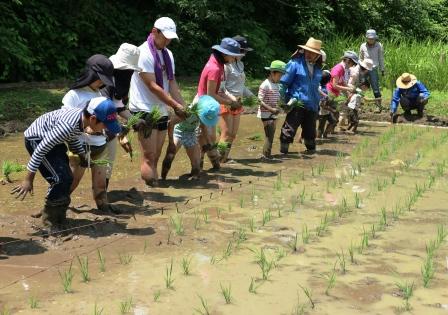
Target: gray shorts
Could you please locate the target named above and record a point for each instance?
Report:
(187, 139)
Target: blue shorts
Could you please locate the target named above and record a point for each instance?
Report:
(187, 138)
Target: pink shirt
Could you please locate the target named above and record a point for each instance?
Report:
(337, 71)
(213, 71)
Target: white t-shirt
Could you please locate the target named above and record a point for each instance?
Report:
(140, 97)
(355, 101)
(78, 99)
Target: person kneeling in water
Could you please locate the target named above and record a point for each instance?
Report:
(204, 113)
(46, 139)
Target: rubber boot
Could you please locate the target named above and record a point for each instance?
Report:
(54, 214)
(103, 204)
(284, 147)
(310, 145)
(195, 173)
(214, 157)
(379, 107)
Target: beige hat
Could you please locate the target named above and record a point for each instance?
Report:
(406, 81)
(313, 45)
(367, 64)
(126, 58)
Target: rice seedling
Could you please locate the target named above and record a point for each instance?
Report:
(431, 180)
(145, 246)
(320, 169)
(431, 248)
(204, 308)
(280, 253)
(341, 260)
(252, 224)
(97, 310)
(5, 311)
(186, 264)
(357, 201)
(343, 206)
(252, 287)
(263, 263)
(309, 295)
(339, 158)
(8, 168)
(241, 202)
(299, 308)
(84, 268)
(197, 221)
(293, 244)
(169, 280)
(294, 203)
(331, 280)
(266, 217)
(178, 225)
(228, 250)
(442, 234)
(427, 271)
(133, 119)
(218, 212)
(156, 296)
(125, 259)
(34, 303)
(383, 219)
(312, 171)
(322, 227)
(67, 279)
(406, 291)
(256, 137)
(373, 231)
(364, 240)
(393, 178)
(126, 306)
(213, 260)
(241, 236)
(396, 213)
(419, 190)
(226, 293)
(278, 184)
(302, 196)
(205, 216)
(305, 234)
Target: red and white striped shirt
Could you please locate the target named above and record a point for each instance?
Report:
(268, 93)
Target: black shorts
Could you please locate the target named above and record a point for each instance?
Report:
(268, 119)
(161, 124)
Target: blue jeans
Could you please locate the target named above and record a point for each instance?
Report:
(375, 82)
(56, 170)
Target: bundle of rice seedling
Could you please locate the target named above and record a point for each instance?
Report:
(9, 168)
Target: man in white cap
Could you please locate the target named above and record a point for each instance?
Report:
(155, 89)
(373, 49)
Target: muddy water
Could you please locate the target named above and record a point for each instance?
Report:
(308, 189)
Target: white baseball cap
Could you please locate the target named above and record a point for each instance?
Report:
(167, 27)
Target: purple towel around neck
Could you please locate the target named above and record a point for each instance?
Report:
(157, 63)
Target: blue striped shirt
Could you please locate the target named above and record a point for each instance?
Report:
(53, 128)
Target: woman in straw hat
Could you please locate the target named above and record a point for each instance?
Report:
(410, 94)
(300, 88)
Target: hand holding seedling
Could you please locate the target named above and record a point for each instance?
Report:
(125, 144)
(26, 187)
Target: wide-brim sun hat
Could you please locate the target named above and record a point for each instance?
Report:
(277, 65)
(371, 34)
(243, 43)
(126, 58)
(406, 80)
(313, 45)
(349, 54)
(167, 26)
(208, 110)
(366, 64)
(229, 47)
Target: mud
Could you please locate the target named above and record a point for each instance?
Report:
(299, 192)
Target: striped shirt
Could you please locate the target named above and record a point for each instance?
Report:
(268, 93)
(53, 128)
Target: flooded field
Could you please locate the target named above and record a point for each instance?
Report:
(360, 227)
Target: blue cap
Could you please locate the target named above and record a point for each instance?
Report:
(208, 109)
(105, 111)
(229, 47)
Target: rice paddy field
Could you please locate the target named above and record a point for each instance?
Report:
(360, 227)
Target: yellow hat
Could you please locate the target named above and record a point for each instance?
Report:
(406, 81)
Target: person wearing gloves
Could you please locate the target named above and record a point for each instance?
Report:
(98, 72)
(155, 87)
(125, 62)
(338, 83)
(203, 114)
(46, 139)
(300, 89)
(269, 98)
(411, 94)
(372, 49)
(234, 86)
(209, 84)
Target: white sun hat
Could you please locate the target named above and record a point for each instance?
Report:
(126, 58)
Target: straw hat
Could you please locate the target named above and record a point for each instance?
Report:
(366, 64)
(313, 45)
(406, 81)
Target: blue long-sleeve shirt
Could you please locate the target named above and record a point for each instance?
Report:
(300, 85)
(412, 93)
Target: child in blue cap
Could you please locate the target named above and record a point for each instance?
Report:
(46, 140)
(204, 113)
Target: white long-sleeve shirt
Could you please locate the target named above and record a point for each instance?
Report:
(375, 52)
